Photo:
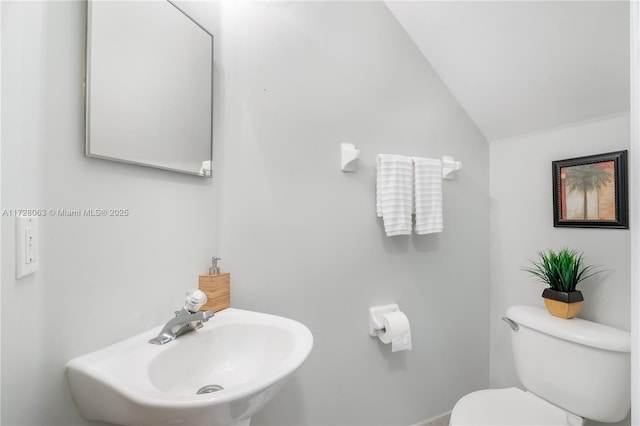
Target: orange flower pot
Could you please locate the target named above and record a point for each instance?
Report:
(562, 304)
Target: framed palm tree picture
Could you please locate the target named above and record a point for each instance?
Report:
(591, 192)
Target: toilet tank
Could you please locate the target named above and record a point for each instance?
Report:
(578, 365)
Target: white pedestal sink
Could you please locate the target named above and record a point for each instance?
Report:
(241, 357)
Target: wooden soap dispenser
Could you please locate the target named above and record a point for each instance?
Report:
(216, 286)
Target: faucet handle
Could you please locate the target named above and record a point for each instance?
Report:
(195, 299)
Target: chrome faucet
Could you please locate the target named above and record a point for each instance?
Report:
(187, 319)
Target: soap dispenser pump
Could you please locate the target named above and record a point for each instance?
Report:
(217, 287)
(215, 269)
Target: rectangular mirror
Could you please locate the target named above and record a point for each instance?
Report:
(149, 84)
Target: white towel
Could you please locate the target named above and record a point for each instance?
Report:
(394, 193)
(428, 195)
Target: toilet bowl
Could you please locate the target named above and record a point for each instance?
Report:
(510, 406)
(594, 384)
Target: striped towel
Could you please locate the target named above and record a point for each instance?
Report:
(394, 193)
(428, 195)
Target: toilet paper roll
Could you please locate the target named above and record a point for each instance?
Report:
(396, 331)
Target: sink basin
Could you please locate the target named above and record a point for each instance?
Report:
(239, 360)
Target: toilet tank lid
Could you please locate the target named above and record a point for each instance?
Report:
(576, 330)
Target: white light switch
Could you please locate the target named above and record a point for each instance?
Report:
(30, 253)
(26, 245)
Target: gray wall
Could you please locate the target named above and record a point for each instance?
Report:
(299, 236)
(100, 279)
(521, 170)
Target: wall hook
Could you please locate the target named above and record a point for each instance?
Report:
(350, 155)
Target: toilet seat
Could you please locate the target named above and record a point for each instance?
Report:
(510, 406)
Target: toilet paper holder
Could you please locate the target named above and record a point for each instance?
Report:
(375, 326)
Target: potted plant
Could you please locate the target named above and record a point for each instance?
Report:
(562, 271)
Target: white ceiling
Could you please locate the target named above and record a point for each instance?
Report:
(519, 67)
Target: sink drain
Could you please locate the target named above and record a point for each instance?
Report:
(209, 389)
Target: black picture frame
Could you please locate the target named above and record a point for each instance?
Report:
(591, 191)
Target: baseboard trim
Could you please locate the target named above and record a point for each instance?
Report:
(439, 420)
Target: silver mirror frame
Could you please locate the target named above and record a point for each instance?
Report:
(199, 168)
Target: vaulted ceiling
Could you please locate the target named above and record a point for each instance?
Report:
(518, 67)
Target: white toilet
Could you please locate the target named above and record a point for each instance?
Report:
(572, 369)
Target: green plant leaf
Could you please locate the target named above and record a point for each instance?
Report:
(561, 271)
